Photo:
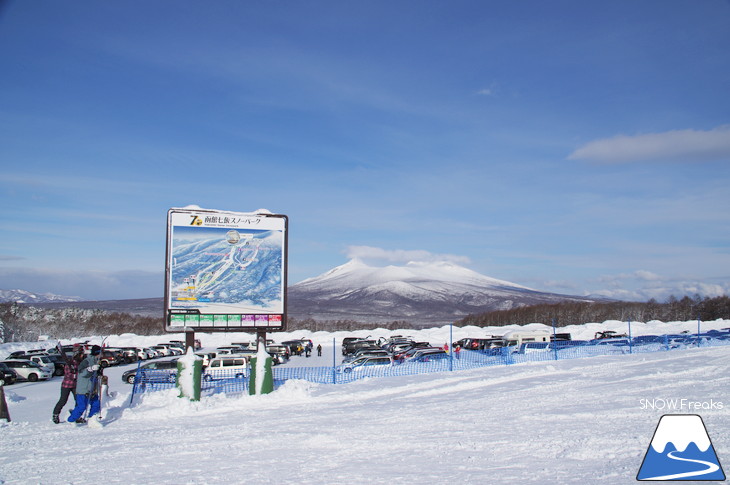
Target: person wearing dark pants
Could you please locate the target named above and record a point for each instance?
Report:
(68, 386)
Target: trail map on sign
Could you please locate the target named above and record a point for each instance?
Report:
(226, 270)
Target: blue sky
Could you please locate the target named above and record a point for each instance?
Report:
(575, 147)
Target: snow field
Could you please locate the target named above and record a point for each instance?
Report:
(562, 422)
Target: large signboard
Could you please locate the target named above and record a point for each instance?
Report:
(225, 271)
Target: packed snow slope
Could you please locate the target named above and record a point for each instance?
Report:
(419, 292)
(556, 422)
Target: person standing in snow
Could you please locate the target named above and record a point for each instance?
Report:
(86, 392)
(68, 386)
(319, 350)
(457, 351)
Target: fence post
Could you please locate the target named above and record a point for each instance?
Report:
(631, 344)
(451, 343)
(555, 340)
(137, 378)
(4, 413)
(334, 361)
(698, 330)
(507, 355)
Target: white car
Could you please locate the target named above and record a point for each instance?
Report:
(151, 353)
(44, 361)
(226, 367)
(27, 370)
(365, 362)
(161, 350)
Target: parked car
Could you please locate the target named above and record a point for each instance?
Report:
(27, 370)
(229, 349)
(410, 353)
(124, 355)
(167, 371)
(43, 360)
(279, 353)
(353, 347)
(151, 353)
(162, 350)
(424, 355)
(226, 367)
(108, 358)
(366, 352)
(7, 375)
(206, 357)
(531, 347)
(364, 362)
(296, 347)
(58, 364)
(173, 348)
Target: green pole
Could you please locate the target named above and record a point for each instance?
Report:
(264, 383)
(189, 375)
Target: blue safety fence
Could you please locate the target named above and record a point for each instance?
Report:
(225, 381)
(213, 381)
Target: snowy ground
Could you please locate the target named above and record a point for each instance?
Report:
(563, 422)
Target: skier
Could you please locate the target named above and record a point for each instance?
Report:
(86, 392)
(68, 386)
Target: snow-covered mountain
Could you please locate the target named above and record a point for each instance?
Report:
(22, 296)
(417, 292)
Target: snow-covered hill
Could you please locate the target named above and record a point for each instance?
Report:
(439, 292)
(22, 296)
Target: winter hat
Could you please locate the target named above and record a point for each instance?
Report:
(95, 350)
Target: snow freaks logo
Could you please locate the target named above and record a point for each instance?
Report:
(681, 450)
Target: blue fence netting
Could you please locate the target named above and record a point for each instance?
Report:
(236, 381)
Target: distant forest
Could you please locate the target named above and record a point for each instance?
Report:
(23, 323)
(575, 313)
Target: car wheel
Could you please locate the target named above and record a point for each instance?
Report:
(104, 363)
(33, 377)
(130, 378)
(347, 370)
(207, 377)
(59, 372)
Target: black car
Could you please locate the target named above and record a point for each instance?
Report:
(156, 371)
(7, 375)
(58, 364)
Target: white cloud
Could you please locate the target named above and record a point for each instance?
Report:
(401, 255)
(643, 285)
(676, 145)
